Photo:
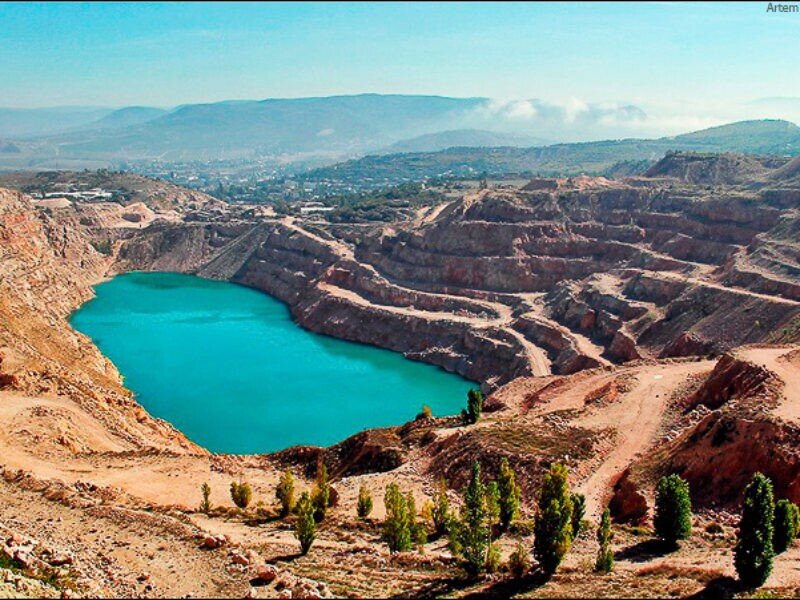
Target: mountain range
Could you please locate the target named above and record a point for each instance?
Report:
(337, 126)
(394, 135)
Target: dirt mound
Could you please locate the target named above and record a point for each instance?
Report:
(709, 169)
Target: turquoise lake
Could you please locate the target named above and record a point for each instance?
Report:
(229, 367)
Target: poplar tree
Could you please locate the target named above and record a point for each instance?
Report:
(441, 514)
(285, 493)
(321, 493)
(364, 507)
(509, 494)
(673, 517)
(553, 526)
(754, 552)
(787, 522)
(306, 526)
(473, 532)
(397, 532)
(605, 557)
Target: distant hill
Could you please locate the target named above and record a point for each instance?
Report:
(124, 117)
(29, 122)
(714, 169)
(769, 136)
(464, 138)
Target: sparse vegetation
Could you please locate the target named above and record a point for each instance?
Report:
(519, 563)
(364, 507)
(493, 558)
(241, 494)
(673, 515)
(285, 493)
(553, 527)
(103, 246)
(306, 526)
(754, 552)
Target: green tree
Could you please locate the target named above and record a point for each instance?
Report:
(509, 494)
(605, 557)
(787, 522)
(285, 492)
(321, 493)
(205, 505)
(364, 506)
(553, 526)
(472, 532)
(241, 493)
(397, 531)
(754, 553)
(305, 529)
(673, 516)
(492, 504)
(474, 406)
(440, 512)
(578, 512)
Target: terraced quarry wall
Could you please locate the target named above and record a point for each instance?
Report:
(508, 283)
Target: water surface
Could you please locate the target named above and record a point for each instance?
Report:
(228, 366)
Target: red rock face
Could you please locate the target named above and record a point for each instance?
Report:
(628, 504)
(721, 455)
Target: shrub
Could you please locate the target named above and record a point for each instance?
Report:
(321, 493)
(714, 528)
(426, 412)
(305, 529)
(241, 494)
(492, 558)
(519, 563)
(754, 553)
(364, 506)
(509, 494)
(605, 557)
(673, 516)
(440, 511)
(474, 405)
(397, 530)
(205, 505)
(553, 527)
(419, 535)
(786, 523)
(578, 512)
(285, 492)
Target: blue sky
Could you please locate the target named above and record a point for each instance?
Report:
(677, 60)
